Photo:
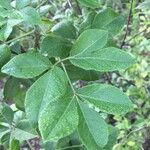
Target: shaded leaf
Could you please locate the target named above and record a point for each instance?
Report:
(87, 23)
(55, 46)
(76, 73)
(5, 55)
(11, 88)
(65, 29)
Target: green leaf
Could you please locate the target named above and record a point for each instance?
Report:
(88, 53)
(6, 113)
(106, 97)
(27, 65)
(113, 134)
(59, 118)
(23, 131)
(89, 41)
(55, 46)
(15, 145)
(5, 3)
(87, 23)
(5, 55)
(31, 16)
(65, 29)
(13, 91)
(91, 3)
(3, 129)
(13, 18)
(20, 99)
(46, 89)
(5, 139)
(92, 128)
(11, 88)
(109, 20)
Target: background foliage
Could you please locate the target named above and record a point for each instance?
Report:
(24, 26)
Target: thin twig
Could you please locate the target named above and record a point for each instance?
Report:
(135, 35)
(64, 68)
(70, 4)
(133, 131)
(20, 37)
(30, 146)
(128, 23)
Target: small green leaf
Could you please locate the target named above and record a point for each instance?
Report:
(19, 99)
(92, 128)
(87, 23)
(5, 55)
(11, 88)
(55, 46)
(31, 16)
(107, 98)
(23, 131)
(21, 135)
(112, 139)
(27, 65)
(88, 53)
(65, 29)
(6, 114)
(46, 89)
(91, 3)
(59, 118)
(109, 20)
(15, 145)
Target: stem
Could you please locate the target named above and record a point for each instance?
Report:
(70, 147)
(20, 37)
(128, 22)
(136, 35)
(64, 68)
(30, 146)
(70, 4)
